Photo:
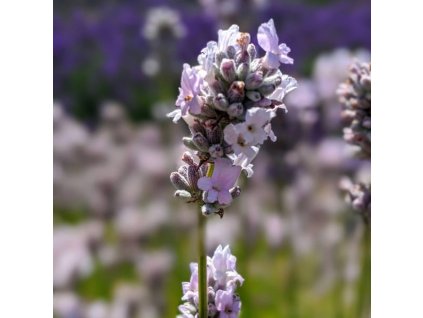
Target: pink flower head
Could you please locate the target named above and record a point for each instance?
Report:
(188, 99)
(223, 179)
(268, 40)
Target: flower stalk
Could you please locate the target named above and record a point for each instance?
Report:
(202, 262)
(202, 270)
(228, 101)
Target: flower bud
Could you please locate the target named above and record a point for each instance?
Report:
(265, 102)
(230, 51)
(187, 141)
(209, 123)
(196, 127)
(216, 87)
(220, 102)
(273, 80)
(236, 110)
(254, 80)
(207, 111)
(219, 57)
(214, 135)
(267, 89)
(208, 209)
(242, 57)
(179, 181)
(252, 52)
(253, 95)
(242, 71)
(188, 159)
(183, 194)
(193, 177)
(216, 151)
(235, 192)
(209, 99)
(236, 92)
(183, 171)
(200, 141)
(255, 65)
(227, 70)
(244, 39)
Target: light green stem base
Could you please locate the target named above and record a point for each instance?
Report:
(202, 263)
(202, 267)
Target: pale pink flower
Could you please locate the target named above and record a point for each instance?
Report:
(223, 179)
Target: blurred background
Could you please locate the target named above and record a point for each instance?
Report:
(122, 242)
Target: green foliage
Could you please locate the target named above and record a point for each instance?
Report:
(101, 283)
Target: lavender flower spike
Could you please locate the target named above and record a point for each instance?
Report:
(188, 99)
(222, 282)
(219, 185)
(268, 40)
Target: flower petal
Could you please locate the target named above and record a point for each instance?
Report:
(271, 60)
(230, 134)
(227, 37)
(283, 54)
(267, 37)
(211, 195)
(195, 106)
(204, 183)
(225, 174)
(224, 197)
(176, 115)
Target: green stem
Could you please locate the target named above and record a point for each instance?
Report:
(202, 263)
(202, 267)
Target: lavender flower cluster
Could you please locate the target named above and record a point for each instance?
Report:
(228, 102)
(355, 95)
(222, 281)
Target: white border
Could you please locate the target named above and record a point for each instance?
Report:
(26, 262)
(397, 160)
(26, 159)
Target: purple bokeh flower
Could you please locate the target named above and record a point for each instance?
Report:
(269, 41)
(223, 179)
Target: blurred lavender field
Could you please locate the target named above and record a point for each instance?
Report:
(122, 243)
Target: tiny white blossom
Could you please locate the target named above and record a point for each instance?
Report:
(235, 135)
(255, 121)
